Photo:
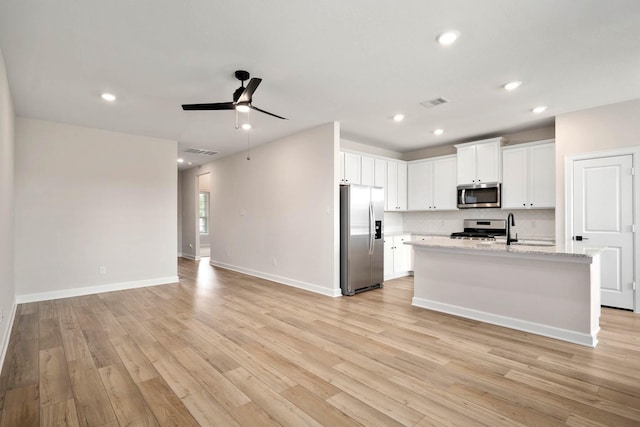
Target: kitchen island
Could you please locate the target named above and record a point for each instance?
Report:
(547, 290)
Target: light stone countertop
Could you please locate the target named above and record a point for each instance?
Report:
(569, 249)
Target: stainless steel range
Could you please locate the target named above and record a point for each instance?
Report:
(481, 229)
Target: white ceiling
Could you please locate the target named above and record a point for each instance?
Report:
(357, 62)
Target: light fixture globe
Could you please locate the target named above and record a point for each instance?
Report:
(243, 107)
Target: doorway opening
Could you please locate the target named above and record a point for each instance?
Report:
(204, 214)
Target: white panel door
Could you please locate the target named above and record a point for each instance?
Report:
(388, 256)
(445, 196)
(542, 173)
(380, 177)
(603, 216)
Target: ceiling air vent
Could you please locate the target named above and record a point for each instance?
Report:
(201, 151)
(434, 102)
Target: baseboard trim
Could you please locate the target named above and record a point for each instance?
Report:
(7, 335)
(89, 290)
(282, 280)
(509, 322)
(191, 257)
(397, 275)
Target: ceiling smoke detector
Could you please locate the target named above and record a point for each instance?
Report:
(434, 102)
(201, 151)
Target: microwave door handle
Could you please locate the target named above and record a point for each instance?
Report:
(462, 198)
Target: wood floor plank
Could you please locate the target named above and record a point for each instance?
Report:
(137, 364)
(61, 414)
(55, 385)
(223, 348)
(165, 405)
(126, 400)
(22, 407)
(92, 403)
(279, 408)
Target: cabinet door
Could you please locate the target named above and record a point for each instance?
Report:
(388, 256)
(419, 196)
(488, 162)
(542, 191)
(466, 165)
(515, 178)
(444, 184)
(352, 168)
(380, 177)
(392, 186)
(367, 171)
(341, 167)
(402, 186)
(402, 253)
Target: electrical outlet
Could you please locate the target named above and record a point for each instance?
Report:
(533, 224)
(274, 261)
(228, 252)
(103, 269)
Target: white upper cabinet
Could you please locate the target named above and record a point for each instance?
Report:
(444, 183)
(396, 186)
(432, 184)
(479, 162)
(420, 192)
(351, 168)
(528, 173)
(367, 176)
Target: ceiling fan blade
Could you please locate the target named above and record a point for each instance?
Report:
(271, 114)
(248, 91)
(214, 106)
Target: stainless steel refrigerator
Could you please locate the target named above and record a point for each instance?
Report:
(361, 238)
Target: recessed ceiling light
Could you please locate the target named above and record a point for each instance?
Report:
(512, 85)
(180, 160)
(189, 163)
(539, 109)
(438, 131)
(447, 38)
(108, 97)
(398, 117)
(246, 126)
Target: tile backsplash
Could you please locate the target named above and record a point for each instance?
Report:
(529, 222)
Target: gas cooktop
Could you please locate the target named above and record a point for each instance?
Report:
(481, 229)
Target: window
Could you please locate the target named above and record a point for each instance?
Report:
(203, 209)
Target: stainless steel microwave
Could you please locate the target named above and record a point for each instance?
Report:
(479, 196)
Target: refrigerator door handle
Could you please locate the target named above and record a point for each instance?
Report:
(372, 227)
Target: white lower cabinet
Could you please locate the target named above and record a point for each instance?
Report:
(397, 256)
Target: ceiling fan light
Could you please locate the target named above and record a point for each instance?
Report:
(242, 108)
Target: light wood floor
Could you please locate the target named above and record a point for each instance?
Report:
(223, 349)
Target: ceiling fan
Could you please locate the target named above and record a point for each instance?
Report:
(242, 98)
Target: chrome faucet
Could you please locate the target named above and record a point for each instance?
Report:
(511, 222)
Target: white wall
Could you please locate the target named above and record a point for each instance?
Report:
(597, 129)
(277, 215)
(179, 203)
(87, 198)
(7, 285)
